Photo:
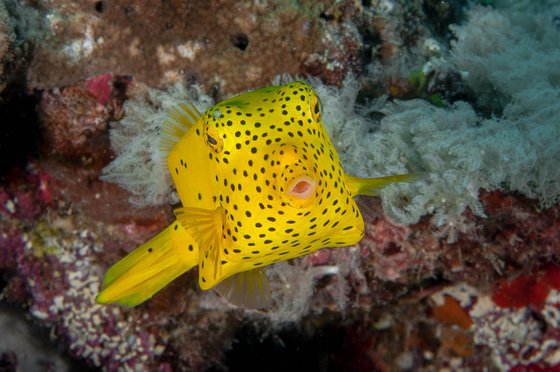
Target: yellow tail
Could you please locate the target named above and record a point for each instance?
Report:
(372, 186)
(150, 267)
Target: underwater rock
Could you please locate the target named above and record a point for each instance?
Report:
(7, 37)
(513, 236)
(23, 346)
(75, 119)
(225, 47)
(20, 28)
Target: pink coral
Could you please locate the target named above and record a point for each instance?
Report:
(100, 87)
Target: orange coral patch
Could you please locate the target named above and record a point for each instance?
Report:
(458, 341)
(452, 313)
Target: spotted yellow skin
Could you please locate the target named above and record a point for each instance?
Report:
(241, 158)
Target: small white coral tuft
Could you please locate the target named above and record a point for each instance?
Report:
(139, 167)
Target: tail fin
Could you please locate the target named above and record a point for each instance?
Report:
(150, 267)
(372, 186)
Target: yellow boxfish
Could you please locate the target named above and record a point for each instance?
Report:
(259, 182)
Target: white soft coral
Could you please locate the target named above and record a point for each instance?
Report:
(139, 167)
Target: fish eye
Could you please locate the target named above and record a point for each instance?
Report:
(315, 107)
(213, 139)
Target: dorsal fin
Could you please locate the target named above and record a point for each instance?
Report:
(247, 289)
(179, 120)
(206, 227)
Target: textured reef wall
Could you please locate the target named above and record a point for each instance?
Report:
(458, 270)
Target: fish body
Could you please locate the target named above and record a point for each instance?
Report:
(260, 182)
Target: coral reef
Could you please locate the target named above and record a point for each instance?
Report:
(457, 271)
(519, 331)
(53, 261)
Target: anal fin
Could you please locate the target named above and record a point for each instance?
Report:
(247, 289)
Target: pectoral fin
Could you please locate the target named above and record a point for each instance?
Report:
(207, 228)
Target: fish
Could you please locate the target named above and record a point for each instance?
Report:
(259, 182)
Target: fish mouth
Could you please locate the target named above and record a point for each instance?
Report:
(302, 187)
(300, 191)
